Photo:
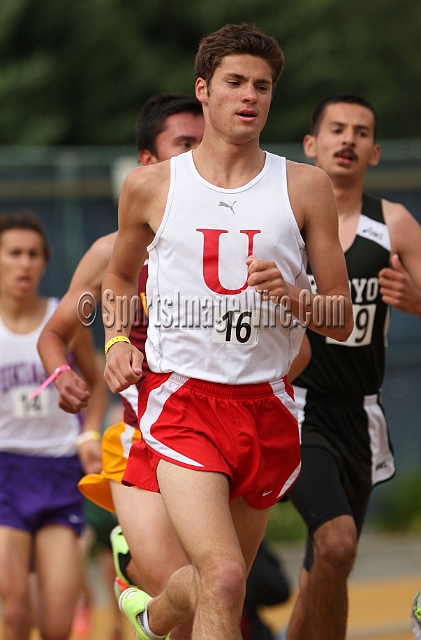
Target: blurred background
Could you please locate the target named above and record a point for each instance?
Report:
(75, 73)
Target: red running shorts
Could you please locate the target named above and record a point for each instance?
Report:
(248, 432)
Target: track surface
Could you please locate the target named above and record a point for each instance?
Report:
(378, 609)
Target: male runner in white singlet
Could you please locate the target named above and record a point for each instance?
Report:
(41, 513)
(224, 230)
(167, 125)
(345, 444)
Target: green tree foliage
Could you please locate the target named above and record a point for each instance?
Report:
(77, 71)
(397, 506)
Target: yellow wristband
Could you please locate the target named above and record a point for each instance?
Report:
(90, 434)
(113, 341)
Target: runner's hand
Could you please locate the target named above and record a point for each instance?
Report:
(397, 287)
(74, 392)
(123, 366)
(266, 278)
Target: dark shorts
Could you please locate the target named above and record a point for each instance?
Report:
(354, 431)
(319, 495)
(37, 491)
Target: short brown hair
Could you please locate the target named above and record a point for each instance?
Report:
(25, 219)
(237, 39)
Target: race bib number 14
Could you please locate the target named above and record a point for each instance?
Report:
(24, 407)
(236, 327)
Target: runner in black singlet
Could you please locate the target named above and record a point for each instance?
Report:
(345, 446)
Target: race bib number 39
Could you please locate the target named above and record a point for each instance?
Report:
(24, 407)
(236, 327)
(363, 326)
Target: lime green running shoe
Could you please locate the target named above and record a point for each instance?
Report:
(121, 554)
(132, 604)
(416, 616)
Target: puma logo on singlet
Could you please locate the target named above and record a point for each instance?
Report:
(229, 206)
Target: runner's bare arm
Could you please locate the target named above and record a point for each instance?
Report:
(55, 338)
(314, 207)
(400, 284)
(141, 207)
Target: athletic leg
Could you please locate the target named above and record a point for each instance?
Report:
(219, 538)
(154, 545)
(15, 552)
(221, 541)
(106, 562)
(82, 618)
(321, 609)
(322, 606)
(59, 570)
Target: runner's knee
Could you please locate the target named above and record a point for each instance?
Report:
(335, 543)
(224, 581)
(14, 594)
(16, 616)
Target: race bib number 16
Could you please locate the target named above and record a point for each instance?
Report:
(236, 327)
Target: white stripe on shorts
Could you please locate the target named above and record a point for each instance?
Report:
(284, 397)
(382, 463)
(278, 388)
(292, 478)
(156, 400)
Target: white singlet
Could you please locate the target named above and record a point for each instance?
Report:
(38, 426)
(205, 321)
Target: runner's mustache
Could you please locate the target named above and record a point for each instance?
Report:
(347, 150)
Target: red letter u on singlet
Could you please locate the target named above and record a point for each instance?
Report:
(211, 258)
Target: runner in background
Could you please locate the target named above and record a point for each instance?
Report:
(345, 447)
(41, 515)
